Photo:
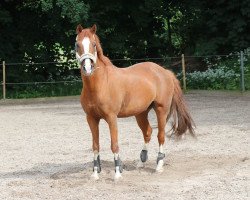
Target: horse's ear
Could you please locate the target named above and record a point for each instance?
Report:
(79, 29)
(93, 29)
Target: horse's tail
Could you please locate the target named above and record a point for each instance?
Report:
(182, 120)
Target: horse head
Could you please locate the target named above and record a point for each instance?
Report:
(86, 49)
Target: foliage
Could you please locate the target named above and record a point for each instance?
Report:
(213, 79)
(136, 29)
(223, 73)
(226, 27)
(44, 31)
(247, 68)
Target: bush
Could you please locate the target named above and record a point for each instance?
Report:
(222, 74)
(213, 79)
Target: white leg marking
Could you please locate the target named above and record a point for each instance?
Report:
(160, 164)
(117, 169)
(95, 175)
(161, 149)
(116, 155)
(145, 146)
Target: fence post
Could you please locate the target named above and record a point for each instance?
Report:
(183, 72)
(242, 72)
(4, 81)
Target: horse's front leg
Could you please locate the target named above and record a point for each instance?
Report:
(94, 127)
(112, 122)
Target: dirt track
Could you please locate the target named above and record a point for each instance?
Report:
(46, 153)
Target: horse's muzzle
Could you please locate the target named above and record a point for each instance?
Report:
(88, 66)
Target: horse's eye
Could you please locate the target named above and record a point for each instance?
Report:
(94, 44)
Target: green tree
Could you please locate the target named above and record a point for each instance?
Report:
(225, 27)
(31, 31)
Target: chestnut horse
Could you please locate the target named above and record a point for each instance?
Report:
(110, 92)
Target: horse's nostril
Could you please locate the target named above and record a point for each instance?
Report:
(83, 66)
(92, 63)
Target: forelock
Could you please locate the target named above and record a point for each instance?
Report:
(86, 33)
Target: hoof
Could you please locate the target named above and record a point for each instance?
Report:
(118, 176)
(160, 162)
(144, 155)
(140, 164)
(95, 176)
(159, 168)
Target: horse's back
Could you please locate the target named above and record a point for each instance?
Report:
(145, 66)
(150, 68)
(143, 84)
(153, 72)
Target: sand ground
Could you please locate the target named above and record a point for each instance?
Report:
(45, 147)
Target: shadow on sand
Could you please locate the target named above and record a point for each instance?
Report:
(58, 171)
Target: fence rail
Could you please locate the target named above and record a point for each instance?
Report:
(128, 59)
(180, 61)
(43, 82)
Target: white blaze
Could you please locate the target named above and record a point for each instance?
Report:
(86, 43)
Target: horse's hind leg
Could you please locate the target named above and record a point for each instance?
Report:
(94, 127)
(143, 123)
(161, 113)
